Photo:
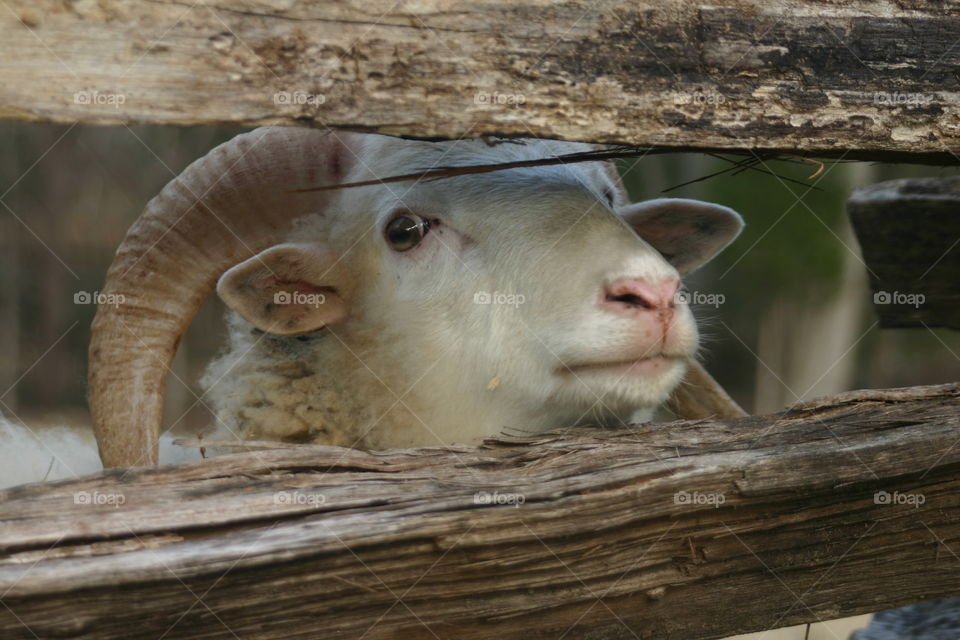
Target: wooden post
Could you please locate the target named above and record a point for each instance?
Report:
(909, 231)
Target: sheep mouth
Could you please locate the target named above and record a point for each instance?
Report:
(650, 364)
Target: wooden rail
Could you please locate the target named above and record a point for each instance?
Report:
(689, 530)
(864, 79)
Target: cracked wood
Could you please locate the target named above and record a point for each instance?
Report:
(869, 79)
(693, 530)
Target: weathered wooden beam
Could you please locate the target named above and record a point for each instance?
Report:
(869, 79)
(680, 530)
(909, 232)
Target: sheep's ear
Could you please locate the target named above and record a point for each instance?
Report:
(284, 290)
(687, 232)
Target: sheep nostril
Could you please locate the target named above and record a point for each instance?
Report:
(631, 294)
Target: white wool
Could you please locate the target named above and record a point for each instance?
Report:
(61, 452)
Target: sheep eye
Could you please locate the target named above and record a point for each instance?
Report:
(406, 231)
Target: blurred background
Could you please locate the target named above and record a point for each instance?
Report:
(787, 313)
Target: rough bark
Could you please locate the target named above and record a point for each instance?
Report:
(909, 231)
(865, 79)
(680, 530)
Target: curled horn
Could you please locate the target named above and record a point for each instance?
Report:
(225, 207)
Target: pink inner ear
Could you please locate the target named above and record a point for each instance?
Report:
(274, 281)
(282, 290)
(657, 231)
(296, 307)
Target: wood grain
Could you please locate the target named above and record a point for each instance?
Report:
(869, 79)
(696, 529)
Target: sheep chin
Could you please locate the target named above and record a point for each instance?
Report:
(614, 394)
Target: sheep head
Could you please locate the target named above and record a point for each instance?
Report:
(422, 313)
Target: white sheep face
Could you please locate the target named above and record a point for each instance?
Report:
(454, 309)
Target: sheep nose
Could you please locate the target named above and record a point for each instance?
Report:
(632, 295)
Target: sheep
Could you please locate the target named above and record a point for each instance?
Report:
(404, 314)
(50, 453)
(62, 451)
